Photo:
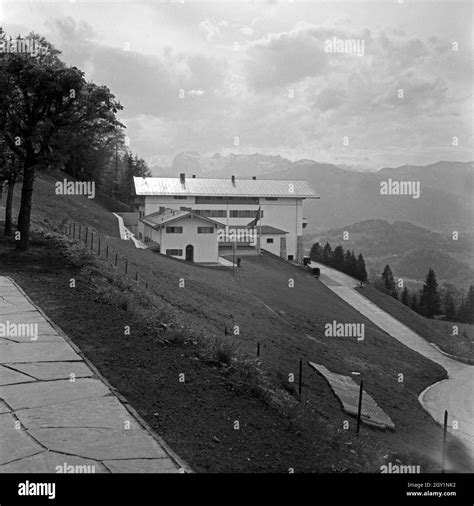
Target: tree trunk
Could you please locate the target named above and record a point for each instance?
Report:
(8, 207)
(24, 216)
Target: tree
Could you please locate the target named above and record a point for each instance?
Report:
(430, 300)
(389, 282)
(466, 311)
(327, 254)
(448, 301)
(9, 174)
(360, 269)
(405, 296)
(41, 99)
(338, 258)
(414, 304)
(316, 253)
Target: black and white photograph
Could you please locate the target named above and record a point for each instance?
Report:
(236, 252)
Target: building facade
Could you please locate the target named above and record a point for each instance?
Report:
(182, 234)
(234, 203)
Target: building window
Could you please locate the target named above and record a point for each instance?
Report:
(205, 230)
(174, 230)
(180, 197)
(290, 257)
(227, 200)
(245, 214)
(175, 252)
(211, 213)
(271, 198)
(269, 240)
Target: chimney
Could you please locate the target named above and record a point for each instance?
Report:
(182, 177)
(233, 180)
(254, 178)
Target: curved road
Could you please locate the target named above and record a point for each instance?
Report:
(454, 393)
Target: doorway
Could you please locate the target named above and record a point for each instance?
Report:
(190, 253)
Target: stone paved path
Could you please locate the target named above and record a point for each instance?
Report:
(56, 413)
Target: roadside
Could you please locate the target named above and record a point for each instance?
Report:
(458, 342)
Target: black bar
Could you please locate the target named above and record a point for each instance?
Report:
(92, 241)
(258, 349)
(87, 233)
(98, 252)
(298, 489)
(136, 276)
(126, 266)
(359, 411)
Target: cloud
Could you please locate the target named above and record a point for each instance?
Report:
(144, 84)
(213, 29)
(285, 58)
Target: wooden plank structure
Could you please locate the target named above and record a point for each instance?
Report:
(347, 391)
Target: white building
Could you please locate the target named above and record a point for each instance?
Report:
(182, 234)
(234, 203)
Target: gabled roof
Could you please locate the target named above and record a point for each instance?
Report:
(268, 230)
(157, 219)
(200, 187)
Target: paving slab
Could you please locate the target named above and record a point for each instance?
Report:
(9, 377)
(37, 352)
(100, 412)
(53, 462)
(140, 466)
(43, 394)
(3, 407)
(55, 370)
(14, 303)
(347, 390)
(100, 444)
(15, 443)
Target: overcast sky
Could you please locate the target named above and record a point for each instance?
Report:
(238, 62)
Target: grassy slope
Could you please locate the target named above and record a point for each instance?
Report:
(435, 331)
(267, 311)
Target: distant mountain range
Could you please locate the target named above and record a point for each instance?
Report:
(219, 166)
(348, 196)
(409, 250)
